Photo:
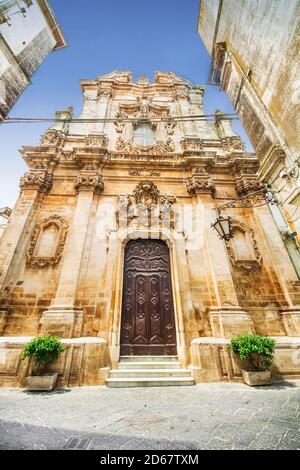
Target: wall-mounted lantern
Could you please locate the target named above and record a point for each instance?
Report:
(223, 227)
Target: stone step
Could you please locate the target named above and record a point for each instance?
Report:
(149, 382)
(146, 373)
(148, 358)
(149, 365)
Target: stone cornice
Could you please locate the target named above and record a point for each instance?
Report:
(275, 158)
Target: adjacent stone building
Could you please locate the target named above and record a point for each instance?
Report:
(255, 52)
(28, 32)
(110, 244)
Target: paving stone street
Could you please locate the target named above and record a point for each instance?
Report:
(206, 416)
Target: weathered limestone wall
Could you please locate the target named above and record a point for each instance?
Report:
(25, 41)
(263, 36)
(255, 50)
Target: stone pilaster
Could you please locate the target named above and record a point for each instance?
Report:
(227, 318)
(63, 318)
(291, 320)
(34, 184)
(3, 318)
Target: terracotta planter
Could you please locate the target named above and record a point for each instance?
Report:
(41, 382)
(257, 377)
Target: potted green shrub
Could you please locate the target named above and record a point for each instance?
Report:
(259, 352)
(44, 350)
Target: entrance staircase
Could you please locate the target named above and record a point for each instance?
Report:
(149, 371)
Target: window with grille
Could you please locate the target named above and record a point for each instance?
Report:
(144, 135)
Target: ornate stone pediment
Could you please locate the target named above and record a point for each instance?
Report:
(37, 179)
(242, 248)
(47, 242)
(146, 208)
(200, 182)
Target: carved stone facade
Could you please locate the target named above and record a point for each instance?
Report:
(144, 173)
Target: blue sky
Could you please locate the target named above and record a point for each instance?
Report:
(104, 35)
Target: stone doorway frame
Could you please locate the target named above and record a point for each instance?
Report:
(166, 345)
(117, 245)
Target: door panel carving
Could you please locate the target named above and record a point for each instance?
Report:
(148, 325)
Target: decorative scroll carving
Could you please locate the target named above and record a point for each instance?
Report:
(233, 143)
(248, 183)
(144, 171)
(39, 166)
(106, 92)
(158, 148)
(146, 208)
(142, 80)
(40, 261)
(51, 137)
(243, 250)
(181, 94)
(199, 183)
(68, 156)
(146, 193)
(96, 141)
(36, 179)
(191, 144)
(170, 127)
(90, 166)
(89, 182)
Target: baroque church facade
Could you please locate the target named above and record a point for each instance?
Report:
(110, 244)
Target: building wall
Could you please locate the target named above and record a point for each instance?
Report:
(25, 41)
(255, 47)
(62, 254)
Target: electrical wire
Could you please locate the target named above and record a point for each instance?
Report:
(189, 118)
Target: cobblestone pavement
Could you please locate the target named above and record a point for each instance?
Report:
(206, 416)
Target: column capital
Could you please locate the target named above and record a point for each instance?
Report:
(88, 181)
(246, 184)
(200, 182)
(40, 180)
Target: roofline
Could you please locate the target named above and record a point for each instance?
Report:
(53, 24)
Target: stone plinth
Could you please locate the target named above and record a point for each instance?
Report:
(230, 321)
(291, 321)
(62, 322)
(84, 362)
(212, 361)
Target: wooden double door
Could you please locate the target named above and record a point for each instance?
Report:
(148, 324)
